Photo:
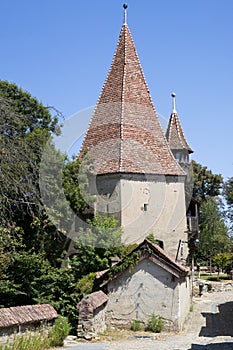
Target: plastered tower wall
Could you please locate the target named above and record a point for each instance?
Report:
(145, 204)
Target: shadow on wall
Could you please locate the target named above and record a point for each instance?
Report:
(219, 323)
(217, 346)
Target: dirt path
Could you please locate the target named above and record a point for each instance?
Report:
(210, 328)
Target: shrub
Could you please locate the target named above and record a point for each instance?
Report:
(155, 324)
(59, 331)
(136, 325)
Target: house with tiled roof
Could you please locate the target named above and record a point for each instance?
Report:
(147, 281)
(136, 177)
(154, 284)
(19, 319)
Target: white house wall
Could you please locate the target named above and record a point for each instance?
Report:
(146, 290)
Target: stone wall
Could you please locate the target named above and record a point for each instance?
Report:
(209, 286)
(92, 315)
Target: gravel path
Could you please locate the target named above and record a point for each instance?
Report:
(210, 328)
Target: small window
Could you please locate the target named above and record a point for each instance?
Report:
(145, 206)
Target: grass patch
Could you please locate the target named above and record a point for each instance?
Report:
(115, 334)
(155, 324)
(191, 308)
(29, 341)
(136, 326)
(215, 277)
(40, 340)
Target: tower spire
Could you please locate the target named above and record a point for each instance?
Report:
(125, 6)
(173, 102)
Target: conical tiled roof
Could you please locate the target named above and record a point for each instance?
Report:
(124, 134)
(175, 135)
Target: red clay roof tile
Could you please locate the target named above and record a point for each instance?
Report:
(175, 135)
(26, 314)
(125, 135)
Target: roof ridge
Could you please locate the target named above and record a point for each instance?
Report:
(98, 100)
(122, 98)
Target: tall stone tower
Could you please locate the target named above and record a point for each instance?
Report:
(136, 177)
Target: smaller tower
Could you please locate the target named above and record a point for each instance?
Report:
(180, 149)
(176, 139)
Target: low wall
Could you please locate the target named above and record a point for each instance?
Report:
(210, 286)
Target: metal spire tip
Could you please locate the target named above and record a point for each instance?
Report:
(125, 6)
(173, 95)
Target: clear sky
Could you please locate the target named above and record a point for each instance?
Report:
(60, 51)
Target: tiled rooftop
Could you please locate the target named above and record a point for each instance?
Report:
(95, 299)
(26, 314)
(124, 135)
(175, 135)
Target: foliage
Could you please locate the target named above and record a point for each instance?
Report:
(85, 285)
(151, 238)
(136, 325)
(222, 260)
(155, 324)
(228, 191)
(191, 308)
(96, 245)
(40, 340)
(205, 182)
(25, 125)
(128, 262)
(214, 235)
(228, 195)
(215, 277)
(76, 185)
(59, 331)
(30, 279)
(10, 241)
(29, 341)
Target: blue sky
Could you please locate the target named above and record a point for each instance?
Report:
(60, 51)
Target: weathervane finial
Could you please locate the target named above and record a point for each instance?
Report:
(125, 6)
(173, 102)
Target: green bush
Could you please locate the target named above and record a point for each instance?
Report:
(59, 331)
(155, 324)
(191, 308)
(136, 325)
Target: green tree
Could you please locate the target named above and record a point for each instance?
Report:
(96, 244)
(228, 195)
(10, 242)
(214, 235)
(25, 125)
(206, 184)
(30, 279)
(228, 191)
(76, 185)
(222, 260)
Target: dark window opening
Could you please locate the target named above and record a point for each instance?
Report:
(145, 206)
